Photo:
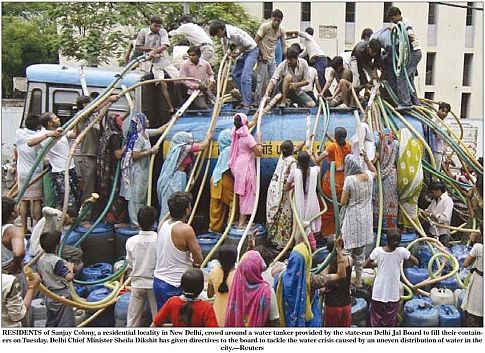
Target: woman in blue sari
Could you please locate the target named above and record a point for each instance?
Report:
(173, 176)
(297, 290)
(297, 302)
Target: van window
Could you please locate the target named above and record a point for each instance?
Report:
(35, 106)
(64, 104)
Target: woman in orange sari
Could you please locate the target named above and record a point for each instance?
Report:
(335, 151)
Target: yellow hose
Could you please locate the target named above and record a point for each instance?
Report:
(79, 138)
(413, 130)
(216, 113)
(315, 125)
(142, 83)
(357, 100)
(100, 311)
(224, 235)
(428, 282)
(30, 275)
(453, 134)
(430, 101)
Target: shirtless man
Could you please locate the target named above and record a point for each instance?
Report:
(177, 249)
(343, 77)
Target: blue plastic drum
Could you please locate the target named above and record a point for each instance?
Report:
(420, 313)
(235, 235)
(92, 272)
(206, 242)
(416, 275)
(449, 316)
(121, 312)
(106, 319)
(359, 312)
(99, 245)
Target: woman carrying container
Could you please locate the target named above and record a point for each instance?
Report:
(180, 157)
(222, 184)
(135, 163)
(244, 150)
(335, 151)
(357, 228)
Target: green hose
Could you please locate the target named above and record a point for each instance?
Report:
(85, 210)
(74, 120)
(400, 62)
(112, 277)
(106, 209)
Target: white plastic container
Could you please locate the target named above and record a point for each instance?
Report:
(441, 296)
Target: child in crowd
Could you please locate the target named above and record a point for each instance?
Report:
(141, 255)
(386, 292)
(55, 273)
(187, 310)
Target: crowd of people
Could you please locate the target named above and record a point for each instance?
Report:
(165, 257)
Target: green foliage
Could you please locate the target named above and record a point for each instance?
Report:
(87, 31)
(227, 12)
(27, 38)
(93, 32)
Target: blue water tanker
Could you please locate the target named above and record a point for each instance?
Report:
(276, 126)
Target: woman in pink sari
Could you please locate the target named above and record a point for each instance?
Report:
(252, 301)
(244, 151)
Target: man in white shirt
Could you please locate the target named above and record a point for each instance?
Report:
(292, 74)
(141, 256)
(439, 211)
(57, 157)
(407, 96)
(314, 82)
(246, 53)
(26, 157)
(269, 33)
(196, 36)
(154, 40)
(314, 52)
